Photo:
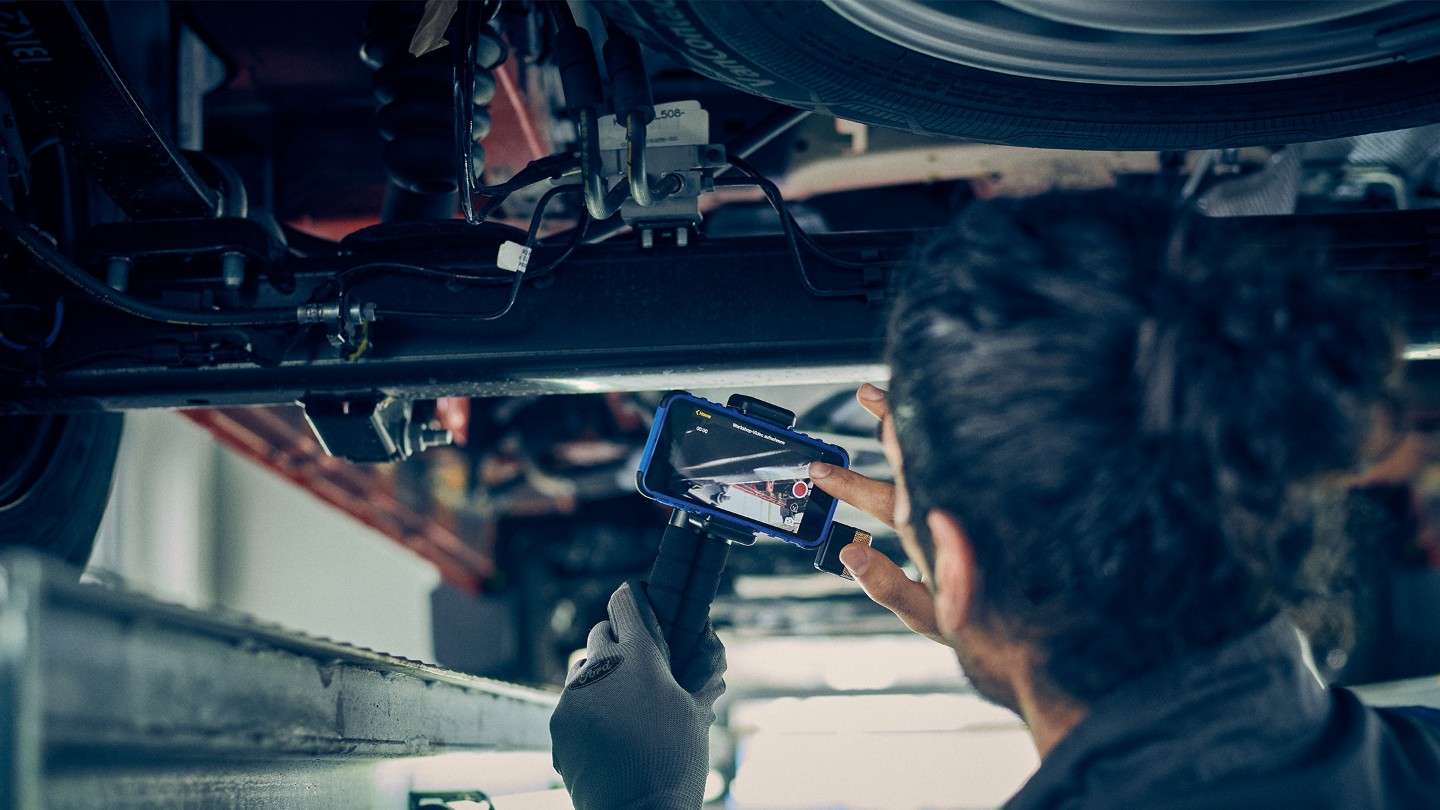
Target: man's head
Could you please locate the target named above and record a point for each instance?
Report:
(1121, 422)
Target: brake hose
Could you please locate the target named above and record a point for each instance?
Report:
(47, 255)
(635, 109)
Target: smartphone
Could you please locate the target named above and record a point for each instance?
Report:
(713, 460)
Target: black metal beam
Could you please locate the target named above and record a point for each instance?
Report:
(720, 312)
(49, 55)
(723, 312)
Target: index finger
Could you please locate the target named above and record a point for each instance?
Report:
(875, 498)
(874, 400)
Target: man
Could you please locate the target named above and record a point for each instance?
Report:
(1108, 433)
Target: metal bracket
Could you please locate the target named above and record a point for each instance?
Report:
(370, 429)
(706, 525)
(676, 145)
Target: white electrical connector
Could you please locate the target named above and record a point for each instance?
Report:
(514, 257)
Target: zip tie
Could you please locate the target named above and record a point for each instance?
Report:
(430, 33)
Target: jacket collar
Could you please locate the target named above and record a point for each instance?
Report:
(1240, 708)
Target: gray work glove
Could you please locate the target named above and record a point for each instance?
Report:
(626, 734)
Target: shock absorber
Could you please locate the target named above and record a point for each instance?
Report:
(416, 109)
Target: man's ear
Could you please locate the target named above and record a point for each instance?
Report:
(955, 573)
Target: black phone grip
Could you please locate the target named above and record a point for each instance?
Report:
(682, 584)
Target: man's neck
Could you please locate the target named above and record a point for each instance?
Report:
(1003, 672)
(1049, 721)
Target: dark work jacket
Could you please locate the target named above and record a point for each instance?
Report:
(1243, 726)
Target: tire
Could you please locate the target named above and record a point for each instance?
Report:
(55, 474)
(805, 55)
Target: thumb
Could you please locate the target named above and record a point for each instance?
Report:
(887, 585)
(632, 617)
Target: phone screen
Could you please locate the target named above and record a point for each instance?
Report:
(741, 467)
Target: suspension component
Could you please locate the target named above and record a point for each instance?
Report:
(417, 113)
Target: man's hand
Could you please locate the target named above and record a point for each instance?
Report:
(626, 733)
(882, 579)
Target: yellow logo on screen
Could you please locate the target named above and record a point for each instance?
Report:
(702, 413)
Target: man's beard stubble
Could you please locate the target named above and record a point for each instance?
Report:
(987, 684)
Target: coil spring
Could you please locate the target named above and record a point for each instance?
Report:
(415, 97)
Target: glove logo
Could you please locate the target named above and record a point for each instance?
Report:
(596, 671)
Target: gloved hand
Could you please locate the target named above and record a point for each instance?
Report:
(626, 733)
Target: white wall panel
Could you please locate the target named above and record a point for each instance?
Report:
(194, 523)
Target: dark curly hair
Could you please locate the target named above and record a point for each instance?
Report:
(1127, 412)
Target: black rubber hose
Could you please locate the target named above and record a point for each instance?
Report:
(46, 254)
(629, 82)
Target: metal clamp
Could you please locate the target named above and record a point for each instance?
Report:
(346, 321)
(674, 150)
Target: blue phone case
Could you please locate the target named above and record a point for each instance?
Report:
(725, 517)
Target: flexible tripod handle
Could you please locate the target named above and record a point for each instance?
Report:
(682, 584)
(666, 583)
(692, 620)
